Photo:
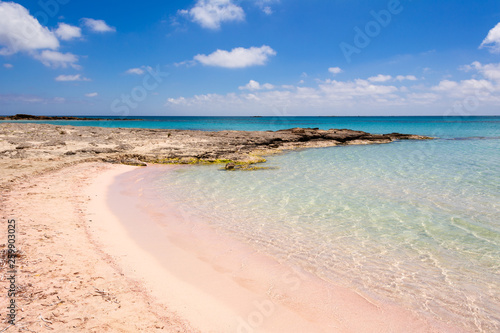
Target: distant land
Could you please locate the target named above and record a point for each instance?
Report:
(30, 117)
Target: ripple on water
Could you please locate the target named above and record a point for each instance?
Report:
(412, 222)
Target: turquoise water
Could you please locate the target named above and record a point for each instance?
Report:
(412, 222)
(439, 126)
(415, 222)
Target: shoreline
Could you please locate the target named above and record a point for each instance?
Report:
(223, 285)
(40, 171)
(83, 268)
(28, 148)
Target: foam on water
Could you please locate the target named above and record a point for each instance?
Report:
(411, 222)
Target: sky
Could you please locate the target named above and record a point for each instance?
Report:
(250, 57)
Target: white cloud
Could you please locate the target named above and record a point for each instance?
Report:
(492, 40)
(254, 85)
(479, 94)
(264, 6)
(94, 94)
(423, 98)
(187, 63)
(481, 89)
(356, 88)
(327, 95)
(380, 78)
(179, 100)
(76, 77)
(267, 10)
(211, 13)
(8, 66)
(489, 71)
(374, 95)
(56, 59)
(139, 70)
(97, 25)
(19, 31)
(406, 77)
(68, 32)
(445, 85)
(335, 70)
(237, 58)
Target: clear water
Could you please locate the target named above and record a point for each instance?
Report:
(439, 126)
(416, 222)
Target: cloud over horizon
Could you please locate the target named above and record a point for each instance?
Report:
(374, 92)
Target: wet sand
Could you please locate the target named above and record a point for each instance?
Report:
(217, 283)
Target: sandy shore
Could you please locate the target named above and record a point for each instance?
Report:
(97, 259)
(65, 281)
(99, 253)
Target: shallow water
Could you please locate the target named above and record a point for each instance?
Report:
(413, 222)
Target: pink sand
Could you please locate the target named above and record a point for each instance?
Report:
(217, 283)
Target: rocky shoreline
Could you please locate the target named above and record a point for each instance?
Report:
(22, 116)
(31, 147)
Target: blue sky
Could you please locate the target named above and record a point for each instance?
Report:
(250, 57)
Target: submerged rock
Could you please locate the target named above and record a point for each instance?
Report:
(230, 166)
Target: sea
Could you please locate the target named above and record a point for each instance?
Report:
(411, 222)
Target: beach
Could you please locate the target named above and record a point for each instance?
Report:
(262, 166)
(102, 251)
(83, 270)
(65, 280)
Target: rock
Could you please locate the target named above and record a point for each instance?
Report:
(52, 143)
(97, 150)
(298, 130)
(183, 146)
(24, 146)
(134, 162)
(124, 146)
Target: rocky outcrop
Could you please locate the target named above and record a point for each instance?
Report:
(52, 144)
